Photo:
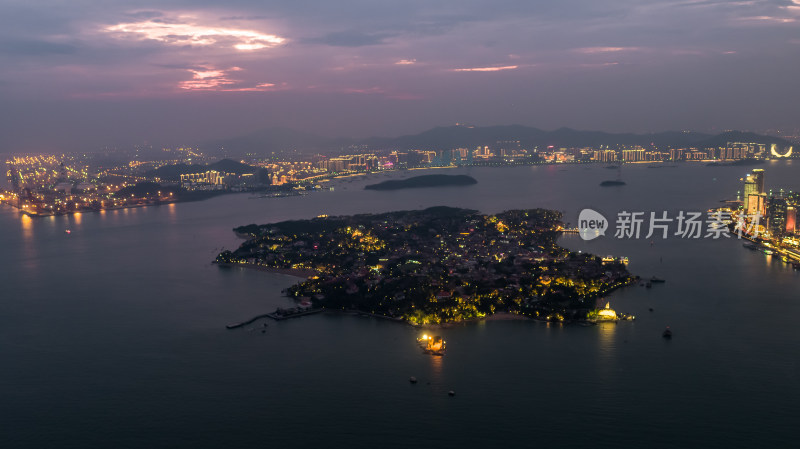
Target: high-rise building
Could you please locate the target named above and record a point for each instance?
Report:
(756, 204)
(758, 175)
(777, 215)
(791, 219)
(750, 188)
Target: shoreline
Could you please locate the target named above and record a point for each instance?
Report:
(303, 273)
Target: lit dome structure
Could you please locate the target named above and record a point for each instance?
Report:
(604, 314)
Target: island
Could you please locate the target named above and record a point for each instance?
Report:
(433, 266)
(612, 183)
(424, 181)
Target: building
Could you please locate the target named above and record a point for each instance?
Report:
(604, 314)
(777, 215)
(791, 219)
(676, 154)
(753, 185)
(604, 156)
(636, 155)
(758, 175)
(211, 177)
(756, 204)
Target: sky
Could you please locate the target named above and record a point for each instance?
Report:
(83, 75)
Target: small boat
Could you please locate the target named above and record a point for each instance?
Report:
(656, 280)
(768, 252)
(412, 379)
(451, 393)
(667, 333)
(750, 246)
(648, 284)
(67, 231)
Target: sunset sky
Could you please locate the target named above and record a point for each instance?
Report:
(85, 74)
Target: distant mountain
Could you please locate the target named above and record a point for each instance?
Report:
(174, 172)
(284, 139)
(463, 136)
(739, 136)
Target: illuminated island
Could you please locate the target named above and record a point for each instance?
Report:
(433, 266)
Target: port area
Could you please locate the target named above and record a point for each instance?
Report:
(788, 255)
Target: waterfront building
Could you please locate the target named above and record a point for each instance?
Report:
(777, 211)
(604, 314)
(758, 175)
(605, 156)
(791, 218)
(753, 185)
(636, 155)
(756, 204)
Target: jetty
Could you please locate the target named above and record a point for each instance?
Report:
(245, 323)
(285, 314)
(278, 315)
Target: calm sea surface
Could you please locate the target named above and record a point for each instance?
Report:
(114, 336)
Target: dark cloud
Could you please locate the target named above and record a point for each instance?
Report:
(35, 48)
(350, 39)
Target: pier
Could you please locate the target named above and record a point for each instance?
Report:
(285, 314)
(277, 315)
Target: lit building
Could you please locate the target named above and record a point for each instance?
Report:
(750, 188)
(633, 155)
(791, 219)
(605, 156)
(777, 215)
(758, 175)
(604, 314)
(676, 154)
(211, 177)
(756, 204)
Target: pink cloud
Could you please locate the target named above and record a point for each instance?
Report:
(213, 79)
(486, 69)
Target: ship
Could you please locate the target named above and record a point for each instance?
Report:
(667, 333)
(656, 280)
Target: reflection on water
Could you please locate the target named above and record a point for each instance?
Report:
(27, 227)
(606, 338)
(436, 365)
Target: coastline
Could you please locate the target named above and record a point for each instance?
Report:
(303, 273)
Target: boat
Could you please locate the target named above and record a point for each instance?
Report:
(451, 393)
(768, 252)
(648, 284)
(667, 333)
(67, 231)
(656, 280)
(750, 246)
(412, 379)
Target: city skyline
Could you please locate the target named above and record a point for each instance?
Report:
(85, 77)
